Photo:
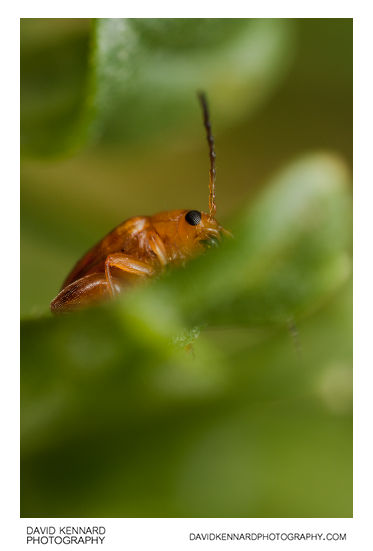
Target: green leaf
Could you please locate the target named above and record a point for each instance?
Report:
(149, 70)
(135, 79)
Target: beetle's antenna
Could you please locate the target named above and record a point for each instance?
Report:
(210, 140)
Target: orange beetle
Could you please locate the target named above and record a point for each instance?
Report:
(142, 246)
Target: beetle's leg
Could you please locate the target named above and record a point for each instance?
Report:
(128, 264)
(158, 248)
(86, 290)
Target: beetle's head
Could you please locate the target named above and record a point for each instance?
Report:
(200, 229)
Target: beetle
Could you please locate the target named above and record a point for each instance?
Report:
(142, 246)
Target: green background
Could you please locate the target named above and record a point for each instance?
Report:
(222, 389)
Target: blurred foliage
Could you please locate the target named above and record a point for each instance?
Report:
(237, 61)
(222, 389)
(65, 99)
(54, 85)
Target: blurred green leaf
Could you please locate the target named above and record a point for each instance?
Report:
(239, 61)
(139, 426)
(80, 84)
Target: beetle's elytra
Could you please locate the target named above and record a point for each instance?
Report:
(142, 246)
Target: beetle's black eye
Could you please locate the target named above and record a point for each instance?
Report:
(193, 217)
